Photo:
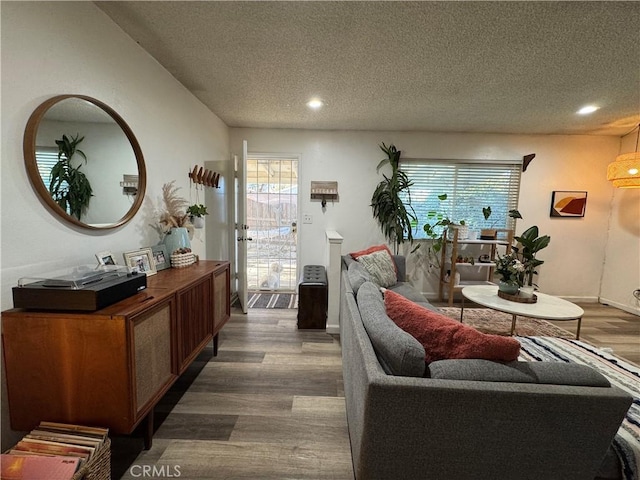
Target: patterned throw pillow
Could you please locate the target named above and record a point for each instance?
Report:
(443, 337)
(380, 266)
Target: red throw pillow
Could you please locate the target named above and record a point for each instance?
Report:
(369, 250)
(443, 337)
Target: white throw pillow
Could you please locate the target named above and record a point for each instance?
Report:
(380, 266)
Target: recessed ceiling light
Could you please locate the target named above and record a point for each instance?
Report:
(587, 110)
(315, 103)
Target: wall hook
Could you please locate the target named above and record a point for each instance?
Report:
(204, 176)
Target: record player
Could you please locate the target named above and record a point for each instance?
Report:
(85, 288)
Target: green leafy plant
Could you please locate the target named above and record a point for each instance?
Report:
(197, 210)
(509, 268)
(433, 229)
(396, 220)
(528, 246)
(486, 212)
(69, 187)
(441, 220)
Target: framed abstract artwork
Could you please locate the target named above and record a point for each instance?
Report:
(568, 203)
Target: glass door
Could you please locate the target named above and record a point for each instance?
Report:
(272, 217)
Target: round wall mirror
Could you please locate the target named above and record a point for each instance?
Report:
(84, 162)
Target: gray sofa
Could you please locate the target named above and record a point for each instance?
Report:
(463, 419)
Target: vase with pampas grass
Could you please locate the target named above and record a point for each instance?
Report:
(174, 220)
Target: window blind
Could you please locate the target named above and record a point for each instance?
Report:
(469, 185)
(46, 158)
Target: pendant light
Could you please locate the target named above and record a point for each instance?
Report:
(625, 171)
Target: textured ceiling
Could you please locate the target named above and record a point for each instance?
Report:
(510, 67)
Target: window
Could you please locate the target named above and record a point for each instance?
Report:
(46, 158)
(470, 185)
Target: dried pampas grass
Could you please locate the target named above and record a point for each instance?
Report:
(175, 214)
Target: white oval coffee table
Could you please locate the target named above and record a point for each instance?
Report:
(547, 307)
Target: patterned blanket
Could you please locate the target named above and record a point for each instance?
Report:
(620, 373)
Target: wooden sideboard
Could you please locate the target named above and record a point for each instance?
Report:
(110, 367)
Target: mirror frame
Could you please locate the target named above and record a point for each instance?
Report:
(29, 148)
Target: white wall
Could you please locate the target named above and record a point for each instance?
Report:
(574, 259)
(52, 48)
(621, 275)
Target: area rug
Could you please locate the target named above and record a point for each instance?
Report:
(499, 323)
(272, 300)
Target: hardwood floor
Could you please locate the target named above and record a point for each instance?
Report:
(271, 404)
(609, 327)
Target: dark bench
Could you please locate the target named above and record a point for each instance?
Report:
(313, 297)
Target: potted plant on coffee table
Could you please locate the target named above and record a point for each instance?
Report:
(510, 269)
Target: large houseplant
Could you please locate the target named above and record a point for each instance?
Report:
(69, 187)
(395, 218)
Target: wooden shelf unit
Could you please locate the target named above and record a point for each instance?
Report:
(450, 250)
(109, 368)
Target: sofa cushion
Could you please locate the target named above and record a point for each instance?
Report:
(380, 266)
(400, 262)
(443, 337)
(357, 276)
(398, 352)
(410, 293)
(555, 373)
(347, 260)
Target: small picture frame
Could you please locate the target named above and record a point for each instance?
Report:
(160, 257)
(141, 261)
(568, 204)
(105, 258)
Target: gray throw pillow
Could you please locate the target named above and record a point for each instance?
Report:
(398, 352)
(357, 276)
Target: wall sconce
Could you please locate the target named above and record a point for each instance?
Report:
(625, 171)
(129, 184)
(324, 191)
